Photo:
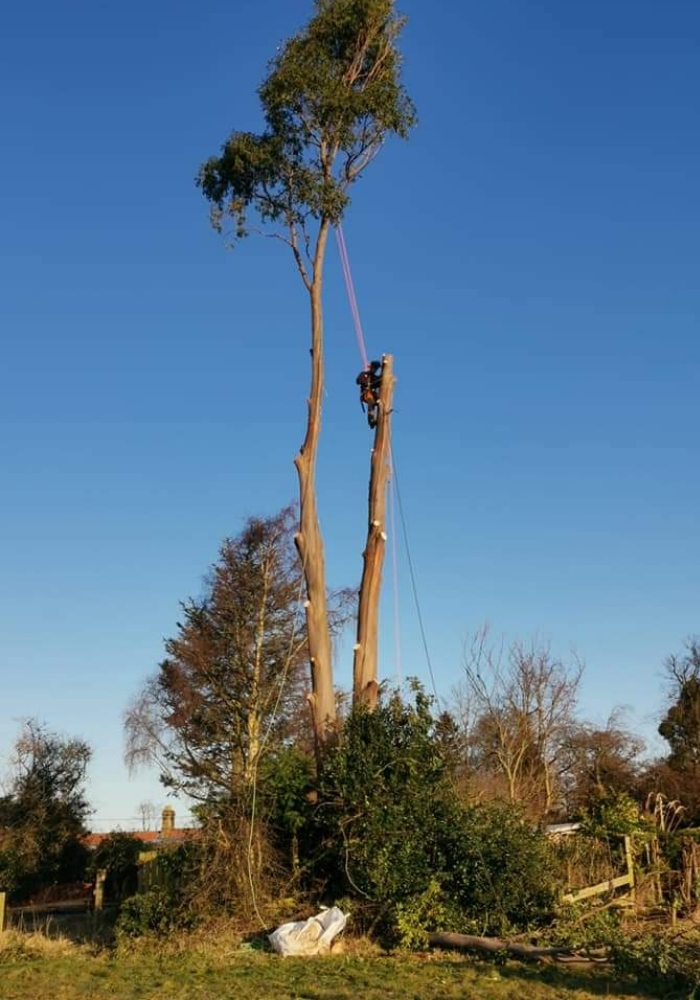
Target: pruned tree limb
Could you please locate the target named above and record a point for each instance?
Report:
(365, 660)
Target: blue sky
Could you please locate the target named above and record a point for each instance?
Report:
(530, 256)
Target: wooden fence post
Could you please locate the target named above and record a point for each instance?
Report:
(3, 911)
(630, 866)
(100, 879)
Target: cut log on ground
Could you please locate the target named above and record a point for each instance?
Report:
(523, 952)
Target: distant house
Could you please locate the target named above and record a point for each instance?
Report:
(169, 835)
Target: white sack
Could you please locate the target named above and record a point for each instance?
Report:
(309, 937)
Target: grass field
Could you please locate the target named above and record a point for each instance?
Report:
(34, 969)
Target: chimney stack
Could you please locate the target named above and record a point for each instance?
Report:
(168, 822)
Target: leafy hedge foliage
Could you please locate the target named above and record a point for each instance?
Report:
(660, 961)
(501, 869)
(166, 905)
(150, 913)
(389, 829)
(385, 831)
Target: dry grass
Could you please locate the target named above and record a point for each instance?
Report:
(216, 942)
(220, 942)
(16, 944)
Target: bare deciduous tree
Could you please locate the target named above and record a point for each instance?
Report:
(599, 761)
(147, 813)
(521, 704)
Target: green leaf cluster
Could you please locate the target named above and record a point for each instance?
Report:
(660, 961)
(386, 780)
(500, 869)
(153, 913)
(332, 97)
(614, 815)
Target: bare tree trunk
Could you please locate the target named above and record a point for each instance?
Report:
(255, 713)
(251, 761)
(365, 664)
(548, 786)
(308, 540)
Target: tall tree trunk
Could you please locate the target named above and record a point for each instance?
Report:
(255, 710)
(308, 539)
(548, 787)
(365, 664)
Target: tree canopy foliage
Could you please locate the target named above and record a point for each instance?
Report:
(43, 813)
(231, 684)
(332, 96)
(680, 726)
(118, 856)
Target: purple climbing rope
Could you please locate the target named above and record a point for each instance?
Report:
(352, 298)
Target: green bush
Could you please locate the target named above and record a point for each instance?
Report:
(586, 926)
(661, 961)
(389, 829)
(501, 870)
(383, 796)
(177, 866)
(614, 814)
(25, 871)
(286, 778)
(154, 913)
(417, 917)
(11, 872)
(42, 813)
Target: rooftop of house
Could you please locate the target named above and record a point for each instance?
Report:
(168, 833)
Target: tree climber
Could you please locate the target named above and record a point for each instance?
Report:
(370, 383)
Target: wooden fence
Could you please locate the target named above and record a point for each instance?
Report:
(83, 904)
(610, 885)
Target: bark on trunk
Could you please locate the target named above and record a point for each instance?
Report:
(365, 662)
(308, 540)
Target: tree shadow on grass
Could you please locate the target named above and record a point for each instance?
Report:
(600, 981)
